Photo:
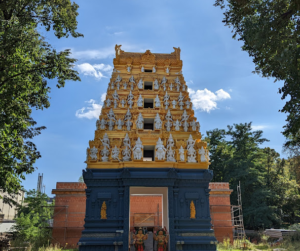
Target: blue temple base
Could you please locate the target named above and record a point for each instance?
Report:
(113, 187)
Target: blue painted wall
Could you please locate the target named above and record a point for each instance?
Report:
(113, 185)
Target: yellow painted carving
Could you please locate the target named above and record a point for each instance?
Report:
(193, 210)
(103, 211)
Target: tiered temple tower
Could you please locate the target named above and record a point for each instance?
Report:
(147, 136)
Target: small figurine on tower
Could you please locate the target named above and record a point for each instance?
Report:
(162, 239)
(139, 240)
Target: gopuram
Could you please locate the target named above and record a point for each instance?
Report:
(147, 141)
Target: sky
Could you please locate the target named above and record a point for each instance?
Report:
(218, 73)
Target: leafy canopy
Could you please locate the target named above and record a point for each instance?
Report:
(26, 62)
(270, 31)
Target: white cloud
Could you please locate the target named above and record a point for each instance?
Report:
(94, 70)
(206, 100)
(94, 54)
(258, 127)
(90, 112)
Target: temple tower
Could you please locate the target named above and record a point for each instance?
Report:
(147, 136)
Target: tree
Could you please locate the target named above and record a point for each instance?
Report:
(270, 31)
(33, 218)
(26, 62)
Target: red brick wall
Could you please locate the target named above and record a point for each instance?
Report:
(70, 205)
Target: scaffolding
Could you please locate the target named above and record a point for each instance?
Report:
(237, 216)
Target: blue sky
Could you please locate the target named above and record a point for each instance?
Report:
(213, 65)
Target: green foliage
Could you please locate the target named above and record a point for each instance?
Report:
(33, 219)
(26, 62)
(270, 193)
(270, 31)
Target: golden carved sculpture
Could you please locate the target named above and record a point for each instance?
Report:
(193, 210)
(139, 240)
(103, 211)
(162, 240)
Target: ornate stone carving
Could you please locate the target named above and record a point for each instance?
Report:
(103, 211)
(123, 102)
(168, 125)
(111, 114)
(93, 153)
(166, 98)
(177, 81)
(118, 86)
(115, 95)
(174, 103)
(128, 124)
(103, 124)
(170, 151)
(105, 141)
(126, 141)
(193, 124)
(185, 126)
(120, 124)
(160, 150)
(157, 122)
(183, 87)
(128, 115)
(184, 116)
(202, 153)
(171, 87)
(112, 86)
(104, 154)
(181, 154)
(125, 86)
(142, 69)
(115, 103)
(115, 153)
(130, 99)
(126, 154)
(187, 103)
(157, 101)
(154, 69)
(111, 124)
(167, 70)
(140, 122)
(118, 79)
(164, 80)
(140, 84)
(138, 150)
(131, 79)
(177, 125)
(156, 85)
(168, 116)
(128, 69)
(108, 102)
(131, 86)
(192, 210)
(190, 150)
(140, 101)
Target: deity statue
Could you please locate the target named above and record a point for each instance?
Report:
(181, 154)
(190, 150)
(128, 124)
(105, 141)
(171, 87)
(170, 151)
(140, 122)
(154, 69)
(104, 154)
(130, 96)
(169, 116)
(166, 104)
(178, 86)
(139, 240)
(174, 103)
(157, 122)
(132, 79)
(142, 69)
(126, 141)
(181, 104)
(93, 153)
(118, 86)
(187, 103)
(164, 87)
(164, 80)
(166, 97)
(127, 115)
(123, 102)
(118, 79)
(128, 69)
(168, 125)
(120, 124)
(160, 150)
(183, 87)
(140, 101)
(130, 103)
(125, 85)
(102, 124)
(111, 124)
(131, 86)
(185, 126)
(157, 101)
(115, 153)
(112, 86)
(115, 95)
(111, 114)
(177, 81)
(180, 97)
(167, 70)
(193, 124)
(156, 85)
(115, 103)
(103, 211)
(202, 154)
(177, 125)
(108, 102)
(140, 84)
(138, 149)
(184, 116)
(192, 210)
(126, 154)
(162, 240)
(207, 155)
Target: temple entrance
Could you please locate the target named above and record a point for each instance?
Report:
(148, 212)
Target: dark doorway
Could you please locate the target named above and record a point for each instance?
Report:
(148, 153)
(148, 103)
(148, 85)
